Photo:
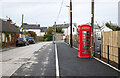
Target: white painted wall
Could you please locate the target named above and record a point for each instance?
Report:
(10, 37)
(98, 31)
(3, 37)
(65, 31)
(106, 29)
(75, 30)
(42, 33)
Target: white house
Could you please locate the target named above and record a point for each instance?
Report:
(74, 29)
(32, 27)
(98, 30)
(97, 34)
(66, 28)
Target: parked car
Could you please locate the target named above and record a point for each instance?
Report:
(31, 40)
(22, 41)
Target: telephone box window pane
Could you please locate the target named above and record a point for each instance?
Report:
(85, 37)
(85, 52)
(85, 27)
(85, 34)
(85, 31)
(86, 40)
(86, 46)
(85, 43)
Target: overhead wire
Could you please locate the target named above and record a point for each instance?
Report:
(60, 10)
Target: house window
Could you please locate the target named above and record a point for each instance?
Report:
(73, 29)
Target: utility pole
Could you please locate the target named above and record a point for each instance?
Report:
(71, 22)
(92, 28)
(54, 36)
(22, 22)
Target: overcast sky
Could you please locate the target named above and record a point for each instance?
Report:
(45, 12)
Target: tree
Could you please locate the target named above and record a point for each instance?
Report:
(32, 33)
(112, 26)
(49, 35)
(59, 30)
(50, 31)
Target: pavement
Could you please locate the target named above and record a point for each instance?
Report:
(41, 64)
(6, 49)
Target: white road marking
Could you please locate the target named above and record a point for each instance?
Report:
(57, 65)
(42, 74)
(47, 58)
(41, 68)
(107, 64)
(27, 75)
(35, 54)
(50, 49)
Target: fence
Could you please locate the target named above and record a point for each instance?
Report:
(112, 58)
(109, 48)
(74, 40)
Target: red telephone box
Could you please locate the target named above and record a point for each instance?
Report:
(84, 41)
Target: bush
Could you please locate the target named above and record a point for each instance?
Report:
(46, 39)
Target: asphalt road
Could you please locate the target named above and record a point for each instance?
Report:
(40, 61)
(12, 59)
(41, 64)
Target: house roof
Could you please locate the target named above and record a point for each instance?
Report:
(43, 29)
(96, 27)
(62, 25)
(31, 26)
(65, 25)
(8, 27)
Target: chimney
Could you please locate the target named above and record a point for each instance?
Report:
(38, 25)
(9, 20)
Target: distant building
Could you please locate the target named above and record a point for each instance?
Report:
(98, 30)
(66, 28)
(97, 34)
(43, 31)
(32, 27)
(9, 33)
(119, 13)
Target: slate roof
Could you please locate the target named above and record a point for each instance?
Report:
(31, 26)
(62, 25)
(65, 25)
(43, 29)
(96, 27)
(8, 27)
